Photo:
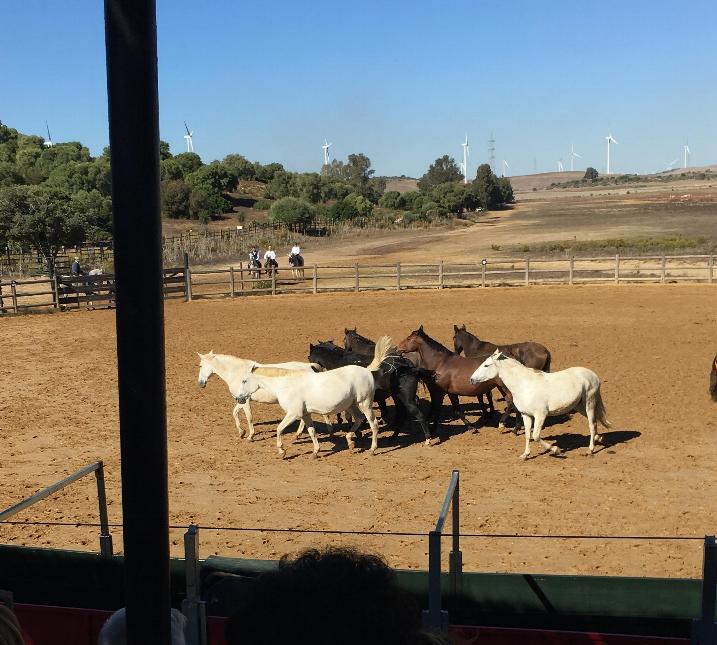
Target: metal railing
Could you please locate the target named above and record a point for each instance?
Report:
(435, 618)
(98, 469)
(193, 607)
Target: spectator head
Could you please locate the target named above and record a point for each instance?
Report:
(114, 631)
(10, 633)
(337, 595)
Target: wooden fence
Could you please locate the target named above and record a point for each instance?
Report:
(73, 292)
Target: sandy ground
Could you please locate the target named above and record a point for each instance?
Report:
(651, 345)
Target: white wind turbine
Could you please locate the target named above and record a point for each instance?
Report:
(325, 148)
(672, 163)
(48, 143)
(560, 165)
(573, 156)
(609, 139)
(686, 149)
(464, 165)
(505, 167)
(188, 137)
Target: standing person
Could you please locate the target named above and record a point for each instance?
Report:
(75, 267)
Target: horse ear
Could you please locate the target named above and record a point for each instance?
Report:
(200, 355)
(211, 353)
(420, 328)
(455, 328)
(311, 347)
(463, 327)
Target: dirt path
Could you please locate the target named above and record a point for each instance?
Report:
(651, 345)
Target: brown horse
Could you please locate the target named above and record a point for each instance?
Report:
(713, 379)
(451, 373)
(529, 354)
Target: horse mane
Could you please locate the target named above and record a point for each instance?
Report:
(353, 333)
(432, 342)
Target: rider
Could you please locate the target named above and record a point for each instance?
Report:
(254, 256)
(295, 252)
(270, 254)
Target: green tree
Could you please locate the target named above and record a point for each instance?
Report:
(309, 187)
(506, 190)
(485, 188)
(171, 169)
(292, 211)
(390, 199)
(174, 198)
(164, 152)
(213, 179)
(591, 174)
(96, 210)
(239, 166)
(361, 204)
(189, 162)
(282, 184)
(442, 170)
(266, 173)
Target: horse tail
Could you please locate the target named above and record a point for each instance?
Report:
(380, 353)
(546, 366)
(600, 412)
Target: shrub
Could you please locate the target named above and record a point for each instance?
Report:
(291, 211)
(262, 204)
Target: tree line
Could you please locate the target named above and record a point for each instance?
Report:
(59, 195)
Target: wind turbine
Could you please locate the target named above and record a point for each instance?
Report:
(326, 147)
(48, 143)
(672, 163)
(609, 139)
(466, 154)
(686, 149)
(560, 165)
(573, 156)
(188, 137)
(505, 167)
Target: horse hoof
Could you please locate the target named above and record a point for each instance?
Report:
(282, 453)
(525, 455)
(315, 455)
(554, 450)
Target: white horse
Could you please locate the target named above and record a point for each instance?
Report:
(538, 395)
(344, 388)
(232, 370)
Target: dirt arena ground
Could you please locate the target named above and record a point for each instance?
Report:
(652, 345)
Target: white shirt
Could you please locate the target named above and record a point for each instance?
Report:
(270, 255)
(295, 250)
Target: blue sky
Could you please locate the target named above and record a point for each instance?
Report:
(402, 82)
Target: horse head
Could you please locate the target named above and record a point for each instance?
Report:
(247, 387)
(206, 368)
(488, 369)
(412, 342)
(458, 339)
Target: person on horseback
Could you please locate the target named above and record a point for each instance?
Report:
(296, 261)
(254, 257)
(270, 262)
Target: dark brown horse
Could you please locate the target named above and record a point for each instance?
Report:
(529, 354)
(451, 373)
(713, 379)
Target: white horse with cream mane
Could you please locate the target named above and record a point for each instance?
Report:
(345, 388)
(232, 370)
(538, 395)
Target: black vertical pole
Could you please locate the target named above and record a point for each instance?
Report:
(131, 42)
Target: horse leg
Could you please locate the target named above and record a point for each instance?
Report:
(539, 420)
(437, 397)
(358, 418)
(310, 427)
(286, 421)
(380, 399)
(328, 423)
(416, 414)
(235, 414)
(455, 402)
(590, 414)
(302, 425)
(528, 422)
(249, 421)
(365, 407)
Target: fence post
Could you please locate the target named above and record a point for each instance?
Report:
(571, 270)
(273, 281)
(455, 557)
(193, 608)
(241, 277)
(231, 279)
(527, 272)
(484, 263)
(187, 279)
(398, 276)
(2, 303)
(315, 280)
(13, 293)
(434, 619)
(617, 268)
(440, 274)
(55, 291)
(105, 537)
(704, 629)
(356, 277)
(711, 264)
(663, 270)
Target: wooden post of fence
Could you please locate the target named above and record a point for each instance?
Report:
(241, 277)
(617, 268)
(187, 279)
(273, 281)
(571, 269)
(440, 274)
(231, 279)
(484, 263)
(56, 291)
(711, 266)
(663, 269)
(2, 303)
(398, 276)
(13, 293)
(315, 279)
(356, 277)
(527, 272)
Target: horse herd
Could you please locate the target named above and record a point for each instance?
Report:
(348, 380)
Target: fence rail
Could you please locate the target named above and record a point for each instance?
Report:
(64, 292)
